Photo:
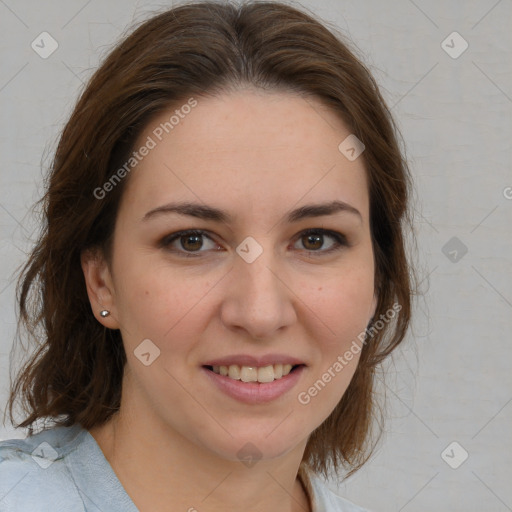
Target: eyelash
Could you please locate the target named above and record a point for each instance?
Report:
(340, 241)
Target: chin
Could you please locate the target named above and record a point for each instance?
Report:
(255, 444)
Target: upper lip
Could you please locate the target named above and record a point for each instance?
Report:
(259, 361)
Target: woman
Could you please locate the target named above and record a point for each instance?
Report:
(221, 271)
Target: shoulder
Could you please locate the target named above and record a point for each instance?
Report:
(34, 474)
(325, 500)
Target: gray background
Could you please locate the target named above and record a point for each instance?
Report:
(451, 380)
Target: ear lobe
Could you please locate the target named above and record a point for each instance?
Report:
(100, 289)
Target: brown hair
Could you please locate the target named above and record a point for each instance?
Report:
(193, 50)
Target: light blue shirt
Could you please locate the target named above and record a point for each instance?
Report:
(64, 469)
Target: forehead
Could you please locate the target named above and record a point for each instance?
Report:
(266, 149)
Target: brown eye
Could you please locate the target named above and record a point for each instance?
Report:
(191, 242)
(313, 240)
(188, 242)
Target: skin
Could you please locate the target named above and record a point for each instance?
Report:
(257, 155)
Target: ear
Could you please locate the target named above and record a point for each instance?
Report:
(100, 287)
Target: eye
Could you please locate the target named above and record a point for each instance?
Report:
(189, 241)
(313, 240)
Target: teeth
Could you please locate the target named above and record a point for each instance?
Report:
(254, 374)
(266, 374)
(249, 374)
(234, 372)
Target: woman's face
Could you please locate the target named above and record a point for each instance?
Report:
(252, 172)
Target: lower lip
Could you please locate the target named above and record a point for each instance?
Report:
(255, 392)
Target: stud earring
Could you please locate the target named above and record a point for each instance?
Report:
(104, 313)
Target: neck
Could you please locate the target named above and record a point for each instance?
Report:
(165, 469)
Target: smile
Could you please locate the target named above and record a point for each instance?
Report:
(274, 382)
(262, 374)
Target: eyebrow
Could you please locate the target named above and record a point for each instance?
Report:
(206, 212)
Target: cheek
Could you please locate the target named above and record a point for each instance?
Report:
(343, 304)
(343, 308)
(156, 302)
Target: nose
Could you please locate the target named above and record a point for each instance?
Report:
(258, 299)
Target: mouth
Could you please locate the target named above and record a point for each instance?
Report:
(261, 374)
(253, 381)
